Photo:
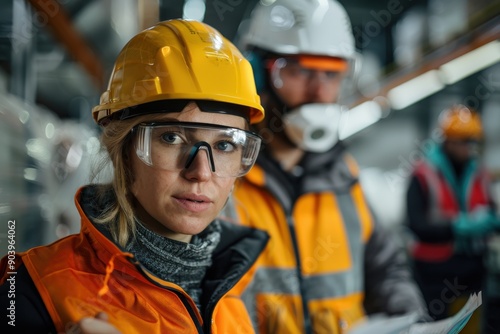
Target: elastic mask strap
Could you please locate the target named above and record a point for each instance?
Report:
(201, 145)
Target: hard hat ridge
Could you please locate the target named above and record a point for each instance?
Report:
(179, 60)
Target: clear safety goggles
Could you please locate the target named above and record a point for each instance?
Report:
(173, 146)
(291, 70)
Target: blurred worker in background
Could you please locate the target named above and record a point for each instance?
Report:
(451, 213)
(328, 261)
(150, 256)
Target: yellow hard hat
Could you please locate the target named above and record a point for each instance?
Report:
(179, 60)
(460, 122)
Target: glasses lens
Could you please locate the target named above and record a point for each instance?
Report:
(290, 70)
(168, 146)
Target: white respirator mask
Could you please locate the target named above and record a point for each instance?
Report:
(313, 127)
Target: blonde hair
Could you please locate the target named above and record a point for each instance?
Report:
(117, 139)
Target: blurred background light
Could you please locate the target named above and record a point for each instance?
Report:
(471, 62)
(415, 89)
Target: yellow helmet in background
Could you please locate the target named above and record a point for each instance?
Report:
(179, 60)
(460, 122)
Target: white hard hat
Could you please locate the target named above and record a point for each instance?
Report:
(316, 27)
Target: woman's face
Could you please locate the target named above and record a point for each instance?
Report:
(179, 204)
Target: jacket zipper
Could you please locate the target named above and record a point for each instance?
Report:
(289, 220)
(305, 307)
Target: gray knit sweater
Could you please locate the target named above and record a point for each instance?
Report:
(184, 264)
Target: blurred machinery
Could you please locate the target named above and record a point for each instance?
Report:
(43, 161)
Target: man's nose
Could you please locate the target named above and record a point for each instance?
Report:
(319, 87)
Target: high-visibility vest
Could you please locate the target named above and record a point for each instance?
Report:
(86, 273)
(312, 268)
(444, 206)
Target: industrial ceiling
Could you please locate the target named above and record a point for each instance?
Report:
(59, 53)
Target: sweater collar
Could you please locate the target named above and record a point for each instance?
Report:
(184, 264)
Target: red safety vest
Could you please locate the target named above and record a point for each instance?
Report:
(444, 207)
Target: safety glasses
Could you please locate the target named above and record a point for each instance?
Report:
(173, 146)
(291, 70)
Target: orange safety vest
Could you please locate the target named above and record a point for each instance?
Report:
(444, 207)
(86, 273)
(312, 268)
